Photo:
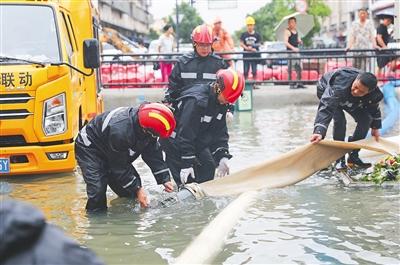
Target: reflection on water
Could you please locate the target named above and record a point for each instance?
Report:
(316, 221)
(330, 224)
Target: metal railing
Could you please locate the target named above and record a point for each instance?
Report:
(136, 70)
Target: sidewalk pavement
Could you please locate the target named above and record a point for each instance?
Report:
(268, 96)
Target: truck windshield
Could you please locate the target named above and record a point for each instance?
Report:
(28, 32)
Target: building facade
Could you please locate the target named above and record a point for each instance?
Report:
(130, 18)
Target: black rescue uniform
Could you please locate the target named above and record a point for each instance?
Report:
(105, 149)
(26, 238)
(334, 92)
(200, 139)
(192, 69)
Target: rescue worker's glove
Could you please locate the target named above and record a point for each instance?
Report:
(223, 168)
(185, 173)
(229, 117)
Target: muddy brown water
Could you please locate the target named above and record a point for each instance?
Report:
(317, 221)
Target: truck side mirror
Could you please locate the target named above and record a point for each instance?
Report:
(91, 53)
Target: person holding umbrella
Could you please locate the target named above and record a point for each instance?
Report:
(382, 39)
(289, 30)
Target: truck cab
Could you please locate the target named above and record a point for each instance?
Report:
(49, 86)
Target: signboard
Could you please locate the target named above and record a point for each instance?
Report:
(245, 102)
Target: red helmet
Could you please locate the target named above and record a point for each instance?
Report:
(232, 84)
(202, 34)
(157, 118)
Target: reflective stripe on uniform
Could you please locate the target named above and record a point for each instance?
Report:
(173, 135)
(84, 137)
(189, 75)
(161, 171)
(129, 183)
(131, 152)
(209, 76)
(218, 149)
(320, 124)
(206, 119)
(188, 157)
(108, 118)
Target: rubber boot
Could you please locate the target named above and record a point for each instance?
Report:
(354, 161)
(341, 164)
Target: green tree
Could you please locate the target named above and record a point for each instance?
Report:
(153, 35)
(268, 17)
(319, 10)
(190, 20)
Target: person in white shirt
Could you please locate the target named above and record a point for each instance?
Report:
(362, 36)
(166, 45)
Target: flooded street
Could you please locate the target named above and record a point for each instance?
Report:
(316, 221)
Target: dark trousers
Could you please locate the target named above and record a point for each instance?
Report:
(362, 118)
(297, 68)
(246, 68)
(204, 170)
(96, 175)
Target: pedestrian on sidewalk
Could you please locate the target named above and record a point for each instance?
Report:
(382, 39)
(250, 41)
(166, 44)
(222, 40)
(292, 42)
(362, 36)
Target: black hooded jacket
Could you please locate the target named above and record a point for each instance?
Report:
(201, 123)
(27, 239)
(334, 90)
(192, 69)
(117, 137)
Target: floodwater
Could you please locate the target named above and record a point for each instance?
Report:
(317, 221)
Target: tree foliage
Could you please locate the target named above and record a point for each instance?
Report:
(268, 17)
(153, 35)
(319, 10)
(190, 20)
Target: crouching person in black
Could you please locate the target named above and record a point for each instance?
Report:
(199, 143)
(354, 91)
(26, 238)
(106, 147)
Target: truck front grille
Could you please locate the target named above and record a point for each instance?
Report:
(14, 114)
(14, 98)
(12, 140)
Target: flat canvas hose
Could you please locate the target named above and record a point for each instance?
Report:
(209, 243)
(286, 169)
(292, 167)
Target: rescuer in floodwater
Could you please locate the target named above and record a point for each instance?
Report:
(106, 147)
(356, 92)
(199, 144)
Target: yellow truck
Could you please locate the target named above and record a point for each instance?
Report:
(49, 82)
